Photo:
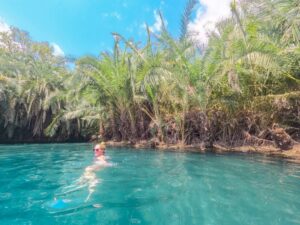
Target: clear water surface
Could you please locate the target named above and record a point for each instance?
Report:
(48, 184)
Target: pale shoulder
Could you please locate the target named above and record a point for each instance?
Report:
(102, 158)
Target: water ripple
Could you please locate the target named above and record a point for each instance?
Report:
(39, 185)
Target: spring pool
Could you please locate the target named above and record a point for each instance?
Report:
(48, 184)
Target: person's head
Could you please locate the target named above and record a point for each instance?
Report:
(99, 149)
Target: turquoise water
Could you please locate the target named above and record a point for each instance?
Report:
(48, 184)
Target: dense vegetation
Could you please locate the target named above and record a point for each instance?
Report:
(169, 90)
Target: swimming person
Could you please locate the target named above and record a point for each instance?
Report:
(99, 151)
(89, 177)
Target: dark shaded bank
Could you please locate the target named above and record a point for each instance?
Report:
(43, 140)
(269, 120)
(269, 125)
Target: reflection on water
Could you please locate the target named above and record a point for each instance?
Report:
(61, 184)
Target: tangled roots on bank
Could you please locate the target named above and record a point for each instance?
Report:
(245, 128)
(275, 120)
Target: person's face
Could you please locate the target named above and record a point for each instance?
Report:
(98, 151)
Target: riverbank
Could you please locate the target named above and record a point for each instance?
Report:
(268, 149)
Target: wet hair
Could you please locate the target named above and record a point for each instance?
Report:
(102, 145)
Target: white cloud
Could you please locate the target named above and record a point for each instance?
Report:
(57, 51)
(214, 11)
(157, 26)
(4, 27)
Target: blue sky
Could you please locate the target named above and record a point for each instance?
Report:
(84, 26)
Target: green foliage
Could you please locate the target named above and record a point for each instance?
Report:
(148, 91)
